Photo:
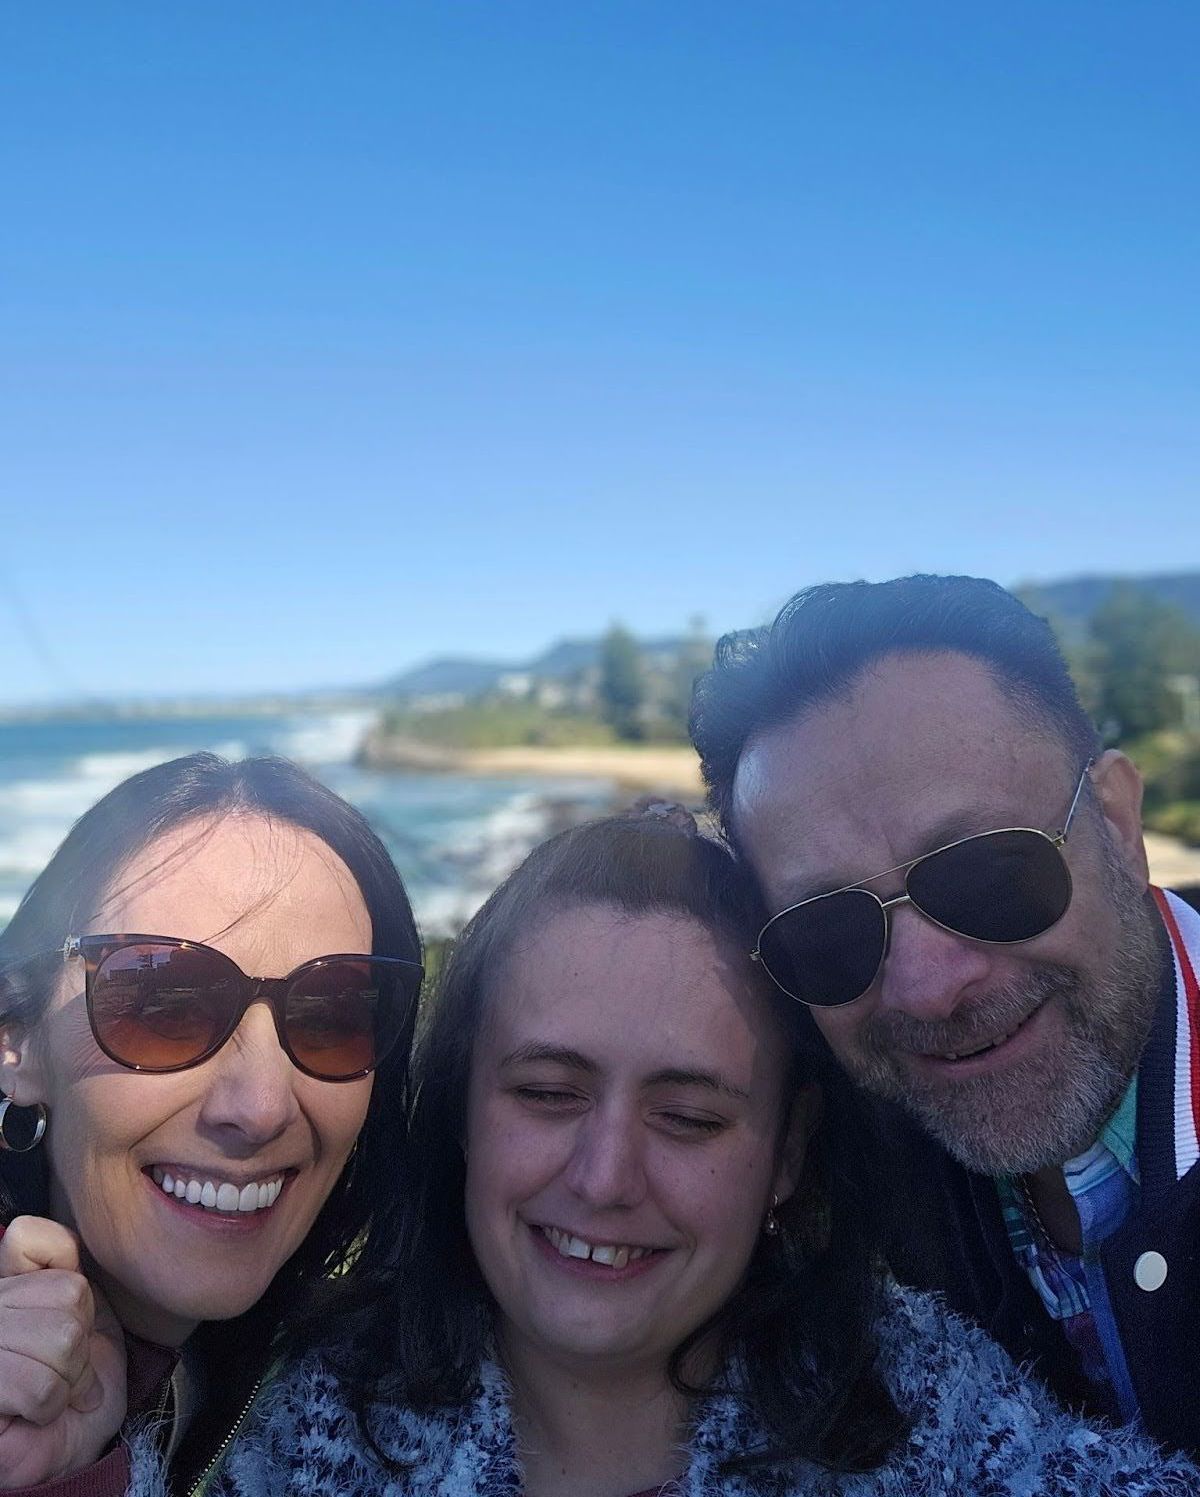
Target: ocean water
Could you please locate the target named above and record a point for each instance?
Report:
(453, 837)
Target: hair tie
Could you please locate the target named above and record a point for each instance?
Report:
(655, 808)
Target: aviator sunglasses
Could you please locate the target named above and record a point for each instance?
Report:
(160, 1004)
(1002, 887)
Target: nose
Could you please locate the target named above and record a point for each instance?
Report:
(928, 972)
(252, 1090)
(607, 1168)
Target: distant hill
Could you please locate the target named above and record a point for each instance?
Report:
(1072, 602)
(470, 676)
(1069, 603)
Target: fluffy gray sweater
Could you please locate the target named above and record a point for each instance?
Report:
(979, 1426)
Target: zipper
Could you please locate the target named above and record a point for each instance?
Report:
(206, 1475)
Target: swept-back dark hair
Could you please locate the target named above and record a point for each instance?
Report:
(824, 637)
(798, 1330)
(88, 865)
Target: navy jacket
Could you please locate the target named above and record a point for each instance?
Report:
(953, 1239)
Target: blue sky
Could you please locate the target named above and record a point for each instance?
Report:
(340, 335)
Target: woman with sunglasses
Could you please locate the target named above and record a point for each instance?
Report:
(206, 1005)
(644, 1256)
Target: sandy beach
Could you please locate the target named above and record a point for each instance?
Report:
(674, 771)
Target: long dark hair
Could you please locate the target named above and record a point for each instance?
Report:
(84, 870)
(797, 1334)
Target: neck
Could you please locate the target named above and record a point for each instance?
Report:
(587, 1431)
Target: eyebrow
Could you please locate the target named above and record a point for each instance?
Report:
(575, 1060)
(708, 1080)
(561, 1055)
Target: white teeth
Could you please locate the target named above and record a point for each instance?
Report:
(255, 1196)
(611, 1255)
(983, 1049)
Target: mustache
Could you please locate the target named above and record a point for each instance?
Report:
(976, 1021)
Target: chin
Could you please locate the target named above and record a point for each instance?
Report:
(211, 1302)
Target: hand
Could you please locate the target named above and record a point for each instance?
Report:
(62, 1358)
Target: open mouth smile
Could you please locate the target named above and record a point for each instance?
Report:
(218, 1195)
(986, 1046)
(609, 1254)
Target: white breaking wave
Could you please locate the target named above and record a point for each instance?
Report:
(482, 852)
(327, 740)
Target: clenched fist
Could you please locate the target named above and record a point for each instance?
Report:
(62, 1358)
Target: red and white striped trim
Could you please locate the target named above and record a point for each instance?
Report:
(1183, 927)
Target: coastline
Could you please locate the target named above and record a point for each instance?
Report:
(670, 769)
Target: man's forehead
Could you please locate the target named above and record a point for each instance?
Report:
(877, 777)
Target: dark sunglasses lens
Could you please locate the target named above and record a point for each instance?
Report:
(161, 1007)
(1001, 886)
(827, 950)
(343, 1017)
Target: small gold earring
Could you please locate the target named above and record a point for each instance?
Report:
(771, 1224)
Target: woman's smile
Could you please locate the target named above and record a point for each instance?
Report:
(603, 1261)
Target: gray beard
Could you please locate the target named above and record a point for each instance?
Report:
(1049, 1108)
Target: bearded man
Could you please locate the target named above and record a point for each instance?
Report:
(958, 891)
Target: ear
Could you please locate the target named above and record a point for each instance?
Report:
(20, 1072)
(801, 1124)
(1118, 786)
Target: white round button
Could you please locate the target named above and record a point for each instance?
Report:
(1150, 1272)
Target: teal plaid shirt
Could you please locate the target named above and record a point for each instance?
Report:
(1103, 1182)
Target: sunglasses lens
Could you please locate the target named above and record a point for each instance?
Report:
(161, 1007)
(826, 951)
(1001, 886)
(344, 1016)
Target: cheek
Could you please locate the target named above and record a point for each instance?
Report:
(720, 1196)
(337, 1111)
(507, 1160)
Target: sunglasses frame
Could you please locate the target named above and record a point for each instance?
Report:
(94, 950)
(1057, 840)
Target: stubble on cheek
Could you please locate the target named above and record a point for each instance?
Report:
(1036, 1112)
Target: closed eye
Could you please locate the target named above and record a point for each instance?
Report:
(549, 1098)
(688, 1123)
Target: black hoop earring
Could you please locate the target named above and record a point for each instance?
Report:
(39, 1127)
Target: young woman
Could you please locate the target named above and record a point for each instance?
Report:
(206, 1006)
(644, 1255)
